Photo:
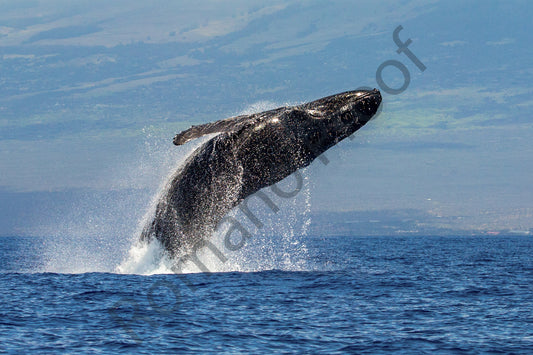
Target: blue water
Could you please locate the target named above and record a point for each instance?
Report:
(363, 295)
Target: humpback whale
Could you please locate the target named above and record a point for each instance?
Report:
(249, 152)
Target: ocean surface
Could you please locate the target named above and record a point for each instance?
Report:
(412, 295)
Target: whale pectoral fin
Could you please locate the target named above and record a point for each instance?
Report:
(228, 125)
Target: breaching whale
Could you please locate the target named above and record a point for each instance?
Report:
(249, 153)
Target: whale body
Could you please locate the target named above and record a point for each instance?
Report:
(249, 152)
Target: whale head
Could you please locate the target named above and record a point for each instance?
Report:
(358, 106)
(324, 122)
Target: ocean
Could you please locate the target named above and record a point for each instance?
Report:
(365, 295)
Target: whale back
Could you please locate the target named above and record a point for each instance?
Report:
(232, 124)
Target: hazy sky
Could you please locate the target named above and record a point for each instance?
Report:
(92, 92)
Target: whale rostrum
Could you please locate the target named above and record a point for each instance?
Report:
(249, 152)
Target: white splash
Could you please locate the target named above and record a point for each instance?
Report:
(277, 244)
(258, 106)
(98, 237)
(145, 259)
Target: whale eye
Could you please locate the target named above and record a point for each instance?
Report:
(314, 138)
(346, 117)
